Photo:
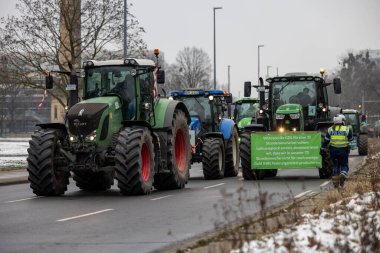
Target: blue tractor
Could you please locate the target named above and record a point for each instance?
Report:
(214, 138)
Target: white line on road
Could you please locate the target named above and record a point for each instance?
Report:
(84, 215)
(325, 183)
(302, 194)
(212, 186)
(18, 200)
(163, 197)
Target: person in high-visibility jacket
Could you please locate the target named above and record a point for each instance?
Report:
(337, 138)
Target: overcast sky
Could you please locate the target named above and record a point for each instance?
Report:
(298, 35)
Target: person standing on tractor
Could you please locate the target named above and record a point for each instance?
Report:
(337, 138)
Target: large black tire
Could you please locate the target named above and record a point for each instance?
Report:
(245, 155)
(93, 181)
(134, 161)
(178, 159)
(43, 166)
(363, 144)
(271, 173)
(213, 158)
(327, 166)
(232, 155)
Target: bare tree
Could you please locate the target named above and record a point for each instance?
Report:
(35, 42)
(192, 68)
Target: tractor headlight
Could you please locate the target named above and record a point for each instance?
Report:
(281, 129)
(295, 116)
(170, 98)
(147, 106)
(294, 129)
(211, 98)
(280, 116)
(324, 109)
(261, 111)
(72, 139)
(91, 137)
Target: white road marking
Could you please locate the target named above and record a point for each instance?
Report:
(163, 197)
(84, 215)
(212, 186)
(18, 200)
(325, 183)
(302, 194)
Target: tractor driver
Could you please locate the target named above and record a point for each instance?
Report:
(126, 90)
(304, 97)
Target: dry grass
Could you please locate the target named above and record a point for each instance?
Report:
(231, 235)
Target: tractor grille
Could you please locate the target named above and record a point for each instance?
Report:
(84, 118)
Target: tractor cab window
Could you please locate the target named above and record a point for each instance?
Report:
(113, 80)
(295, 92)
(351, 119)
(245, 110)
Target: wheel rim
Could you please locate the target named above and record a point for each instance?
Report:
(234, 150)
(180, 150)
(145, 157)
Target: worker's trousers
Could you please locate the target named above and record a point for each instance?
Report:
(339, 157)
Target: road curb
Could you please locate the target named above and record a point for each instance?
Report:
(14, 180)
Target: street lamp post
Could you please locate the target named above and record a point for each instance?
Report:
(229, 84)
(268, 67)
(215, 8)
(125, 28)
(258, 61)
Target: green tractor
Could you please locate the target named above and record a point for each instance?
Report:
(120, 130)
(357, 123)
(245, 111)
(296, 102)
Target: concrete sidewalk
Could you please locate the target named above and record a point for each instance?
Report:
(13, 177)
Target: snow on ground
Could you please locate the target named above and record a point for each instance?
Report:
(354, 225)
(13, 152)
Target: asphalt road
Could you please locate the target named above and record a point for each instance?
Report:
(108, 222)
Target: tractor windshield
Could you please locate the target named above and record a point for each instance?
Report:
(101, 81)
(351, 119)
(113, 80)
(245, 110)
(200, 107)
(295, 92)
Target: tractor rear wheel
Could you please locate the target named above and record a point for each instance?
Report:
(232, 155)
(134, 161)
(245, 155)
(178, 159)
(213, 158)
(327, 167)
(44, 160)
(93, 181)
(363, 144)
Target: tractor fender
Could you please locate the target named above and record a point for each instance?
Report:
(173, 105)
(53, 126)
(226, 127)
(363, 129)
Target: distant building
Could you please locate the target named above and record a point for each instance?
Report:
(374, 55)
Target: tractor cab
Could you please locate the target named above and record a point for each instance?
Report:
(299, 102)
(245, 111)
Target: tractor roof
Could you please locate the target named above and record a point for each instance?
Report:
(197, 92)
(120, 62)
(246, 100)
(349, 111)
(294, 78)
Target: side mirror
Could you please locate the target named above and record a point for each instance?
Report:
(337, 86)
(247, 89)
(49, 82)
(161, 77)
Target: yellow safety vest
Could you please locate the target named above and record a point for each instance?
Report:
(339, 136)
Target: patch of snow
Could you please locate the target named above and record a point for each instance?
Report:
(8, 148)
(348, 226)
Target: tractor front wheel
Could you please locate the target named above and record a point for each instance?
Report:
(245, 155)
(213, 158)
(44, 162)
(134, 161)
(363, 144)
(232, 155)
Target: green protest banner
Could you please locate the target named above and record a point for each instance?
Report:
(293, 150)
